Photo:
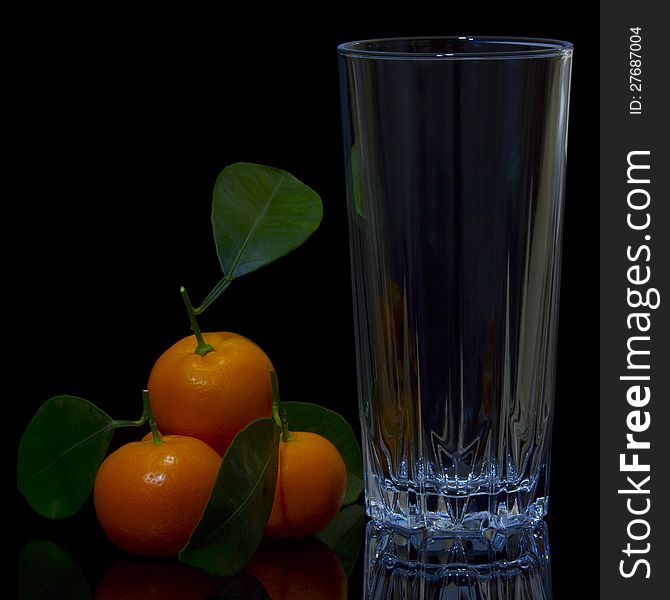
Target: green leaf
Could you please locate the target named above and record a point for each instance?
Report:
(234, 520)
(59, 454)
(46, 571)
(303, 416)
(344, 534)
(259, 214)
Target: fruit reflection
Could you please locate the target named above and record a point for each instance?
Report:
(292, 570)
(146, 579)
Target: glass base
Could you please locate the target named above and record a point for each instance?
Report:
(407, 508)
(514, 564)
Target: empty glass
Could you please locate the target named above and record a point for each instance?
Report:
(455, 161)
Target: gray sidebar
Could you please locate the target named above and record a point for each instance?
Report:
(634, 300)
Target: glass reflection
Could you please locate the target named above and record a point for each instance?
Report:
(513, 565)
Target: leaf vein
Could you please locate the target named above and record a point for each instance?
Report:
(258, 220)
(45, 584)
(245, 502)
(62, 454)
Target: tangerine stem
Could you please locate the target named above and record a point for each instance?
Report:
(203, 347)
(285, 434)
(122, 423)
(219, 288)
(278, 411)
(149, 416)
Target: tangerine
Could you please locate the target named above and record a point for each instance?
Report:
(212, 396)
(311, 483)
(149, 497)
(299, 569)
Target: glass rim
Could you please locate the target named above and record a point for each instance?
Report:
(519, 48)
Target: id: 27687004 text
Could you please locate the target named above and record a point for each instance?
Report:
(635, 70)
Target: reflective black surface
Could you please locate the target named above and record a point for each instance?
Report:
(390, 565)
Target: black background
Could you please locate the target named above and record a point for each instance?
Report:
(124, 122)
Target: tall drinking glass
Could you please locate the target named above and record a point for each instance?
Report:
(455, 161)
